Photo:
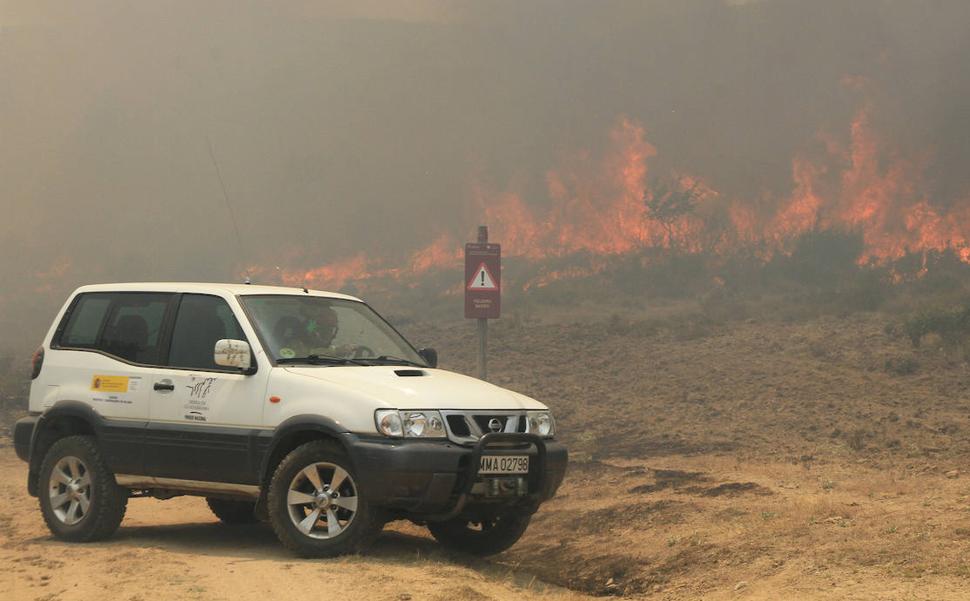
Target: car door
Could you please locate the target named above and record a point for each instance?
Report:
(204, 417)
(106, 354)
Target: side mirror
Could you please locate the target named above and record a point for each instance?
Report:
(233, 353)
(430, 356)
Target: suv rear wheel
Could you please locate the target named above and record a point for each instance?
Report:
(314, 504)
(488, 536)
(231, 511)
(79, 498)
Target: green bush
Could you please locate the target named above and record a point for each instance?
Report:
(823, 258)
(867, 291)
(722, 306)
(902, 366)
(951, 325)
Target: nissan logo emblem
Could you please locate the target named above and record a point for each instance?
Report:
(494, 425)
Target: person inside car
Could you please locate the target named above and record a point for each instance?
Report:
(308, 334)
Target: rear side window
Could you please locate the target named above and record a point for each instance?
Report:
(126, 325)
(202, 320)
(133, 327)
(85, 322)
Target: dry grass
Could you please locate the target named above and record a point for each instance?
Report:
(753, 458)
(811, 524)
(717, 460)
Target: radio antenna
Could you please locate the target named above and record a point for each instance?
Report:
(225, 197)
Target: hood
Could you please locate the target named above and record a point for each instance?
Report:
(391, 386)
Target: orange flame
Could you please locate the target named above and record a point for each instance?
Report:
(601, 207)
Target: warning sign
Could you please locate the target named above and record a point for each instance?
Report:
(483, 280)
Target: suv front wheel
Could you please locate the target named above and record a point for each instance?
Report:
(79, 498)
(484, 536)
(314, 504)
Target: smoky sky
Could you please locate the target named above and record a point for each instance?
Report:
(365, 127)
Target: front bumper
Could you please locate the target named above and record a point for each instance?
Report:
(436, 479)
(23, 431)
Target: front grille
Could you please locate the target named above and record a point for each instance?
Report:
(457, 425)
(484, 422)
(466, 427)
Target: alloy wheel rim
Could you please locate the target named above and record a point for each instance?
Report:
(70, 490)
(322, 500)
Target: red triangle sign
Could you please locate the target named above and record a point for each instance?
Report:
(482, 280)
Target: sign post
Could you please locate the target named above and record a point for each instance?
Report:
(483, 289)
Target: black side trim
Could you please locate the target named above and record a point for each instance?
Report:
(120, 440)
(23, 432)
(269, 444)
(207, 453)
(73, 409)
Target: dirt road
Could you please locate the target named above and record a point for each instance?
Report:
(701, 527)
(177, 550)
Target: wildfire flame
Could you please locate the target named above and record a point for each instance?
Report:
(606, 205)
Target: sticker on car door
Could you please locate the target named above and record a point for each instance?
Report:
(199, 388)
(114, 389)
(109, 383)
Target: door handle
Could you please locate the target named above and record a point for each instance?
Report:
(164, 385)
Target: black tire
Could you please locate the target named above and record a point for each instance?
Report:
(354, 536)
(233, 512)
(106, 500)
(486, 537)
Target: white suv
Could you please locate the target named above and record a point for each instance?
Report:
(302, 407)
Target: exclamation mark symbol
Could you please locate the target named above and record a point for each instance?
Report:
(483, 278)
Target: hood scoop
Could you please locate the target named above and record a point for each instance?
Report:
(410, 373)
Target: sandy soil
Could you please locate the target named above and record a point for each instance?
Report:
(176, 549)
(741, 461)
(686, 528)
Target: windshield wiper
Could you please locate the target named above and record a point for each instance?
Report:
(318, 360)
(392, 360)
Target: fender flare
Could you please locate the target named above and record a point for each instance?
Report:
(297, 424)
(72, 409)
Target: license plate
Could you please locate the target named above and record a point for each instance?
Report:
(504, 464)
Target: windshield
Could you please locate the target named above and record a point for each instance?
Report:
(313, 329)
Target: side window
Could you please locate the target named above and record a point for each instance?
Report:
(201, 321)
(133, 327)
(84, 323)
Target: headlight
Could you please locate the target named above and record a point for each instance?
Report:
(410, 424)
(541, 423)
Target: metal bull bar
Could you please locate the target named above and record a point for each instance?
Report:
(471, 471)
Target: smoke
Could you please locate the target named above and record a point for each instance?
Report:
(371, 129)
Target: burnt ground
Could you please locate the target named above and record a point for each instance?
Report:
(824, 390)
(741, 457)
(751, 459)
